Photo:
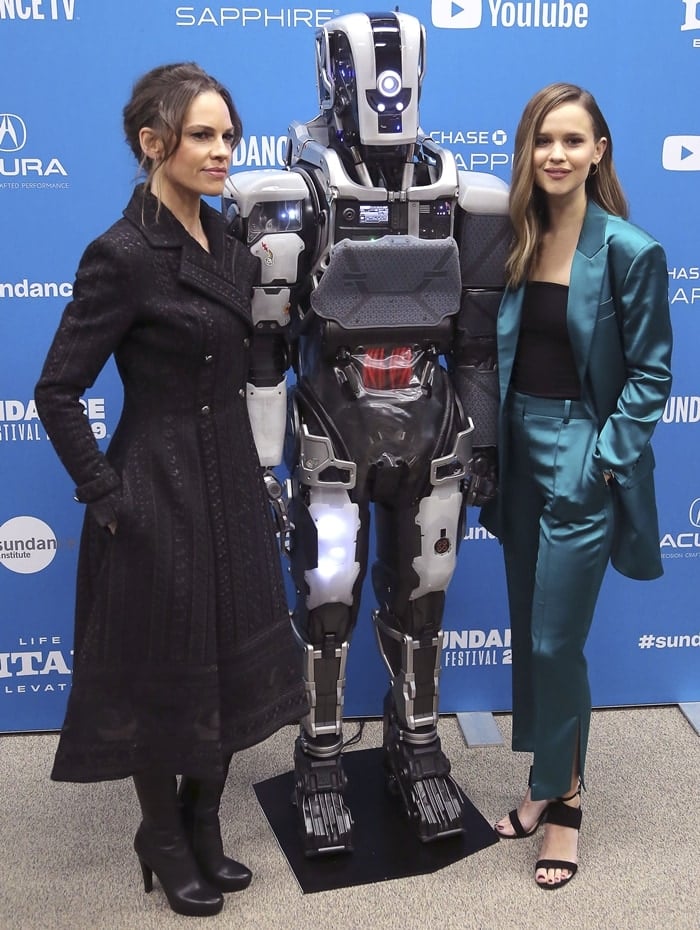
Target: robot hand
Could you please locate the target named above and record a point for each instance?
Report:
(482, 476)
(278, 502)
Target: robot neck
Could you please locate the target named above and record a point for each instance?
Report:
(389, 167)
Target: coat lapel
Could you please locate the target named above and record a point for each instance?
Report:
(225, 275)
(509, 315)
(202, 272)
(588, 277)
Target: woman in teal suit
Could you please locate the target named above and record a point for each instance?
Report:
(584, 346)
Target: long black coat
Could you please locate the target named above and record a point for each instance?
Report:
(183, 648)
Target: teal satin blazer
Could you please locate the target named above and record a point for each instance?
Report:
(619, 324)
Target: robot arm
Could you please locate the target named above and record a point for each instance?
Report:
(483, 234)
(265, 210)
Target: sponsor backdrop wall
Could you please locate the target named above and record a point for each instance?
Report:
(65, 175)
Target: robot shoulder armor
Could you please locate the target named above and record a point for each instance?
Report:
(482, 193)
(265, 185)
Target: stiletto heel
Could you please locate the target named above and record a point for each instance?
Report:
(147, 873)
(169, 856)
(199, 803)
(161, 846)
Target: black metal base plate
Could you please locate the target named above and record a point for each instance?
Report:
(386, 845)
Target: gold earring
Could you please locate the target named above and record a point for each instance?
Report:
(593, 170)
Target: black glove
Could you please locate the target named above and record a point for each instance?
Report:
(481, 481)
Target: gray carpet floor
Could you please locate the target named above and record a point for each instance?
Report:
(66, 859)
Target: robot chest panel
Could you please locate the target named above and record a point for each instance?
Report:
(392, 283)
(363, 221)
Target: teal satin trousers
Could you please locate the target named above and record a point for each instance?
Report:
(558, 522)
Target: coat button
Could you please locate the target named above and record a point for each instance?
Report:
(206, 410)
(246, 342)
(208, 359)
(241, 392)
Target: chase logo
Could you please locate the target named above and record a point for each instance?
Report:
(681, 153)
(446, 14)
(509, 14)
(13, 132)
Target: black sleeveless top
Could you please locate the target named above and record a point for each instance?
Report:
(544, 363)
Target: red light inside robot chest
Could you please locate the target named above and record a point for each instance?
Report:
(386, 369)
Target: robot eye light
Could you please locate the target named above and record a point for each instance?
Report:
(389, 83)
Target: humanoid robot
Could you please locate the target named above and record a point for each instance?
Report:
(381, 272)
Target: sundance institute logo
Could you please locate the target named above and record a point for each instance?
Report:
(27, 545)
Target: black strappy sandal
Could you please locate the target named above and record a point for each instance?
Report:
(560, 815)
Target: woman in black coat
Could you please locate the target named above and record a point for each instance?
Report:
(183, 648)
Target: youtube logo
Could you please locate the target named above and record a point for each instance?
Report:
(448, 14)
(681, 153)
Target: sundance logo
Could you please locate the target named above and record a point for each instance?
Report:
(37, 9)
(260, 152)
(27, 288)
(27, 545)
(509, 14)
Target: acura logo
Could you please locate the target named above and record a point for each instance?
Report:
(694, 512)
(13, 132)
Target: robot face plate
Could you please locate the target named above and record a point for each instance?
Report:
(370, 69)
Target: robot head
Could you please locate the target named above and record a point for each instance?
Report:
(370, 70)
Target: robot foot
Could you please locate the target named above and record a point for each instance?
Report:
(325, 822)
(420, 775)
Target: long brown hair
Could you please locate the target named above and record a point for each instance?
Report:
(528, 206)
(160, 100)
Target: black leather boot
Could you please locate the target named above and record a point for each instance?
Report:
(163, 848)
(199, 802)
